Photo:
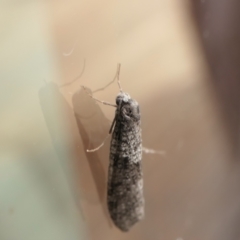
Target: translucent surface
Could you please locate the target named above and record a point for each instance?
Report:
(50, 188)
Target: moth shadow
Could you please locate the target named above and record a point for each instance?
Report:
(93, 128)
(53, 105)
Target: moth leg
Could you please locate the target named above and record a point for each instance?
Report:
(97, 148)
(152, 151)
(103, 102)
(109, 133)
(112, 126)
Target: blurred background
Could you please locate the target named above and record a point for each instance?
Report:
(179, 60)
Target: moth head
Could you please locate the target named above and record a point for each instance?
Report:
(128, 107)
(122, 97)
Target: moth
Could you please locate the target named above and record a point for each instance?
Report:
(125, 197)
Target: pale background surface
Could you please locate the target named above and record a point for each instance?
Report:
(50, 188)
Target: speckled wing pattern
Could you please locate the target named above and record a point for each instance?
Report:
(125, 180)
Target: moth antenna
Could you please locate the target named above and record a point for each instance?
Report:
(114, 79)
(118, 79)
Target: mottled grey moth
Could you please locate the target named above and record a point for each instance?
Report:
(125, 178)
